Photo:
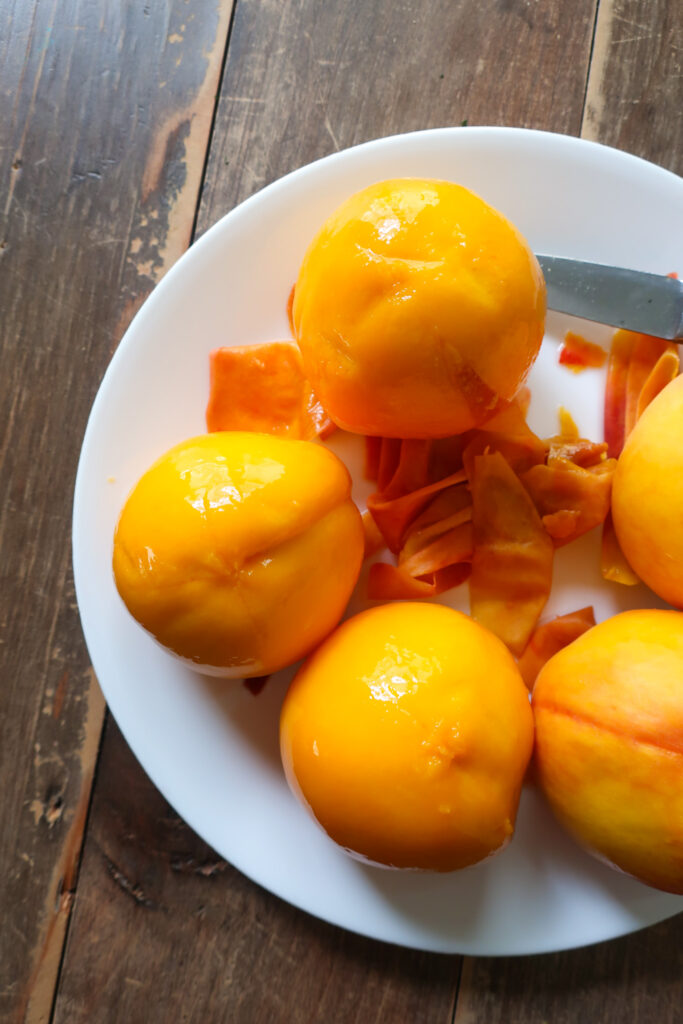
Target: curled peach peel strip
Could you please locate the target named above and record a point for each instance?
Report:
(615, 392)
(450, 508)
(507, 432)
(635, 371)
(562, 525)
(581, 452)
(393, 517)
(374, 541)
(639, 368)
(422, 540)
(453, 546)
(390, 583)
(570, 499)
(549, 638)
(445, 456)
(513, 554)
(645, 354)
(411, 471)
(389, 456)
(568, 478)
(663, 372)
(372, 453)
(613, 564)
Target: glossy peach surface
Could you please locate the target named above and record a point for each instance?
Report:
(647, 495)
(407, 734)
(239, 551)
(416, 304)
(609, 743)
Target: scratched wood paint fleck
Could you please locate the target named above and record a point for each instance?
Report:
(634, 98)
(103, 129)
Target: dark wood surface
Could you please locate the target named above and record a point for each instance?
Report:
(123, 128)
(104, 123)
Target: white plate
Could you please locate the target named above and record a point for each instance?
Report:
(212, 748)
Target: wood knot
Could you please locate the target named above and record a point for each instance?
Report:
(54, 808)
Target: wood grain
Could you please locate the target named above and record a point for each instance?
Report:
(635, 979)
(635, 90)
(305, 79)
(159, 920)
(103, 129)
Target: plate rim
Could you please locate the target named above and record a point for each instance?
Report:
(147, 310)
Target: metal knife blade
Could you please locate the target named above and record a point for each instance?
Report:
(649, 303)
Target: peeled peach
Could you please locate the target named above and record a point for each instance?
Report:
(406, 734)
(609, 743)
(238, 551)
(416, 305)
(647, 495)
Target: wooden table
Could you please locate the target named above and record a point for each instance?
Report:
(127, 128)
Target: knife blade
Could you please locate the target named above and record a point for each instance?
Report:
(632, 299)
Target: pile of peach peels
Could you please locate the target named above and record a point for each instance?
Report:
(488, 506)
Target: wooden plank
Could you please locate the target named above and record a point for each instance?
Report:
(635, 90)
(103, 129)
(159, 920)
(635, 979)
(634, 100)
(303, 80)
(162, 922)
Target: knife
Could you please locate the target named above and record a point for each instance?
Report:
(649, 303)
